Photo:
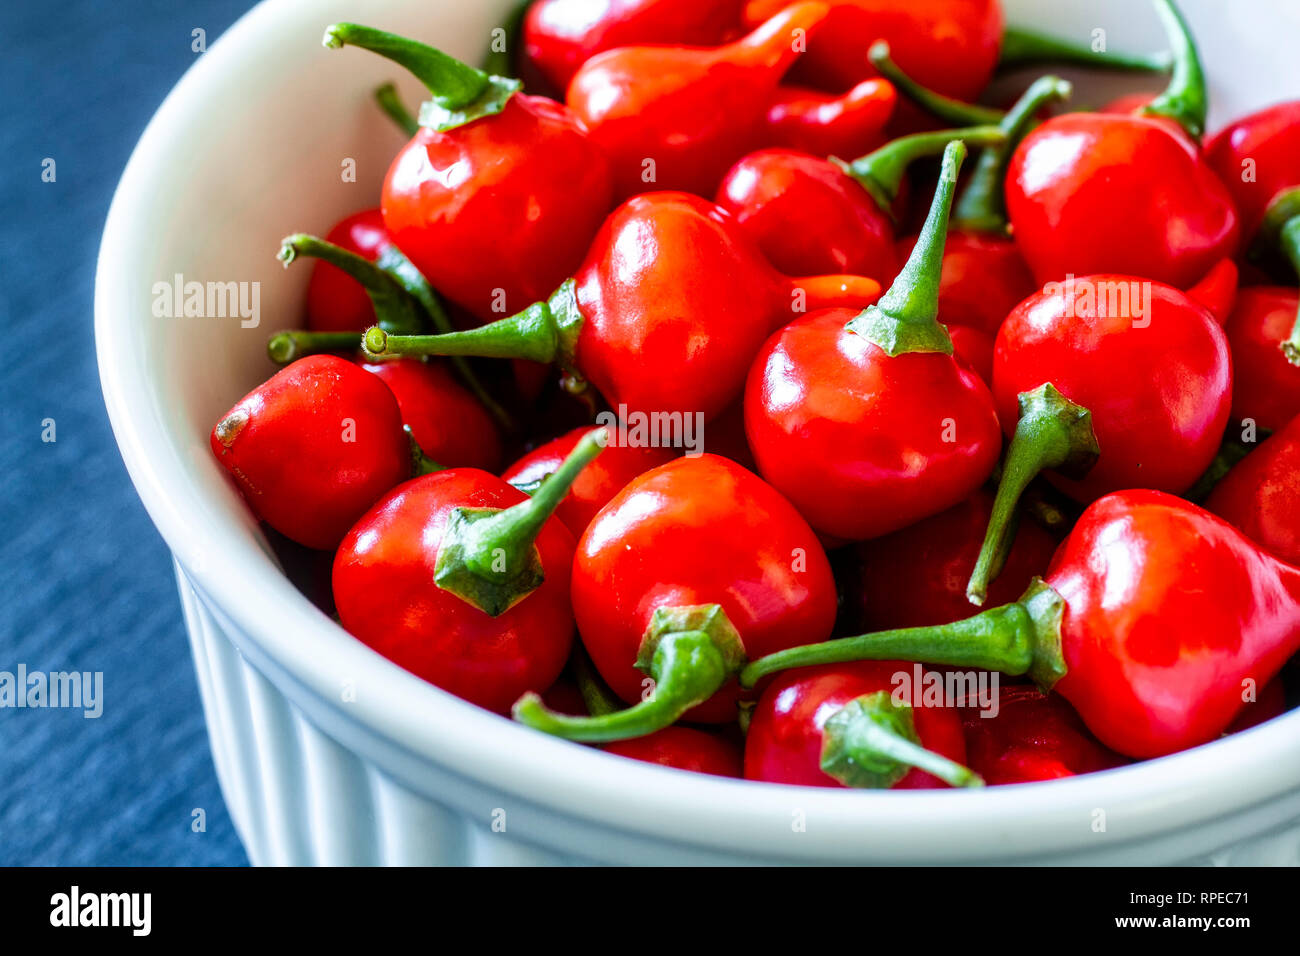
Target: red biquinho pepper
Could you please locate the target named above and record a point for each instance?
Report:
(599, 482)
(846, 726)
(1261, 494)
(949, 46)
(463, 580)
(668, 333)
(1118, 383)
(561, 35)
(336, 302)
(1093, 192)
(313, 447)
(1152, 621)
(675, 117)
(864, 420)
(810, 215)
(1258, 158)
(1031, 737)
(682, 748)
(497, 196)
(674, 588)
(826, 124)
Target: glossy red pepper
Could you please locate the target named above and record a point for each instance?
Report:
(682, 748)
(975, 349)
(672, 117)
(1092, 192)
(1267, 389)
(599, 482)
(825, 124)
(1152, 618)
(918, 575)
(497, 196)
(561, 35)
(336, 302)
(1217, 291)
(864, 420)
(447, 422)
(1258, 158)
(1031, 737)
(949, 46)
(463, 580)
(810, 215)
(313, 447)
(672, 332)
(1260, 496)
(840, 727)
(692, 568)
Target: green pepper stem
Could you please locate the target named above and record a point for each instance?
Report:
(982, 206)
(1289, 240)
(395, 310)
(1028, 47)
(286, 347)
(871, 742)
(688, 668)
(1019, 638)
(596, 695)
(451, 83)
(1052, 432)
(942, 107)
(906, 319)
(881, 172)
(488, 557)
(1185, 100)
(389, 101)
(421, 464)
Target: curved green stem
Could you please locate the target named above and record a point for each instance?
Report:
(1185, 100)
(1019, 638)
(395, 310)
(501, 62)
(690, 652)
(393, 107)
(285, 347)
(982, 206)
(596, 694)
(1052, 432)
(881, 172)
(871, 742)
(421, 464)
(543, 332)
(942, 107)
(1029, 47)
(460, 93)
(487, 556)
(906, 319)
(1289, 239)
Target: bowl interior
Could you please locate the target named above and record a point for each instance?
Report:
(260, 140)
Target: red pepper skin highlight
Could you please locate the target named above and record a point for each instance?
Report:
(447, 422)
(917, 576)
(1260, 496)
(698, 531)
(386, 596)
(949, 47)
(682, 748)
(1267, 386)
(336, 302)
(1257, 157)
(823, 124)
(1033, 737)
(690, 112)
(313, 447)
(838, 427)
(1158, 385)
(561, 35)
(599, 482)
(498, 212)
(1091, 193)
(784, 742)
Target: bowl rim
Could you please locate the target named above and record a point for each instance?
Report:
(1153, 798)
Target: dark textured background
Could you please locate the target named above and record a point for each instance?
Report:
(85, 581)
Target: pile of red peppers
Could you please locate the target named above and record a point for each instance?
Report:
(726, 384)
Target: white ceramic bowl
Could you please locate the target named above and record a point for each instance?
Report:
(326, 752)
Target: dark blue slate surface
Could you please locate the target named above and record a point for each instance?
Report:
(85, 581)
